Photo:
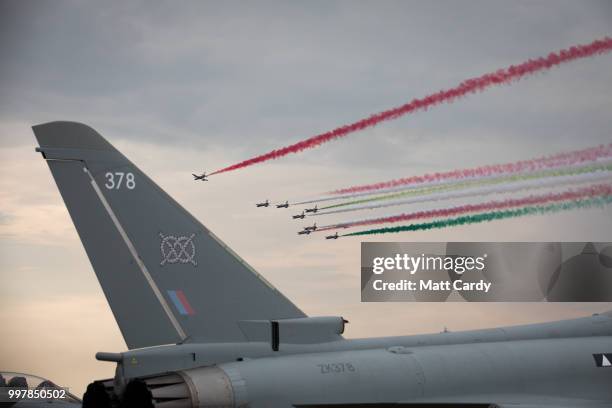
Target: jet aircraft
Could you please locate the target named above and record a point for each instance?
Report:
(335, 236)
(203, 329)
(285, 205)
(264, 204)
(201, 177)
(299, 216)
(312, 210)
(304, 232)
(311, 228)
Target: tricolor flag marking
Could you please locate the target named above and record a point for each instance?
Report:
(180, 302)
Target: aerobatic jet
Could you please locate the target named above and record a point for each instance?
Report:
(204, 329)
(311, 228)
(264, 204)
(312, 210)
(285, 205)
(299, 216)
(304, 232)
(201, 177)
(335, 236)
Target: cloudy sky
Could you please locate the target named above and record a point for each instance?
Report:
(182, 87)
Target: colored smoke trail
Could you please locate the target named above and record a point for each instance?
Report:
(600, 155)
(557, 160)
(541, 199)
(490, 216)
(478, 182)
(504, 188)
(470, 86)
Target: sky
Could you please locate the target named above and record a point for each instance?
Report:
(193, 86)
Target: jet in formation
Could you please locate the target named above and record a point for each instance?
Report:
(264, 204)
(312, 210)
(299, 216)
(201, 177)
(284, 205)
(308, 230)
(313, 227)
(203, 329)
(335, 236)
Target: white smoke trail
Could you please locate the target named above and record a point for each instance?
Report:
(497, 189)
(603, 161)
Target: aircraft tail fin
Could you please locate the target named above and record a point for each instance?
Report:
(167, 278)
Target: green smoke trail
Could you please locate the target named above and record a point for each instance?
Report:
(572, 171)
(490, 216)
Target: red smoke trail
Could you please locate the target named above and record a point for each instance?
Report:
(540, 163)
(593, 191)
(501, 76)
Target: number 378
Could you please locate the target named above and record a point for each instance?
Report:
(119, 179)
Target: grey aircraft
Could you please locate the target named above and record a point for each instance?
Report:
(204, 329)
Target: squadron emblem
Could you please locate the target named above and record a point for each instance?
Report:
(177, 249)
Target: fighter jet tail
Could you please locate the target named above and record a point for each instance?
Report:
(167, 278)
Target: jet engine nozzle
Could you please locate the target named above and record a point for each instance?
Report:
(209, 387)
(203, 387)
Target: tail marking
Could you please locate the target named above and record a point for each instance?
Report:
(181, 303)
(136, 257)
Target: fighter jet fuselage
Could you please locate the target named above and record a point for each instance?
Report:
(485, 367)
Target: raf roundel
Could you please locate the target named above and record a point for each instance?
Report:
(175, 249)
